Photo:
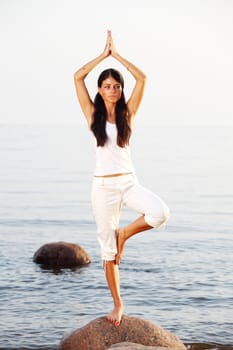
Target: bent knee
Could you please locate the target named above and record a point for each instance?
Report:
(158, 220)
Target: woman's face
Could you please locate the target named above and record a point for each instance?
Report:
(110, 90)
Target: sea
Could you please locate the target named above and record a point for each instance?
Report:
(179, 277)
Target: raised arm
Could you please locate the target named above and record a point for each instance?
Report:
(79, 78)
(138, 90)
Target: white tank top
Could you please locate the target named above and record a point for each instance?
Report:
(110, 158)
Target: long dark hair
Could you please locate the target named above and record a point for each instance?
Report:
(98, 125)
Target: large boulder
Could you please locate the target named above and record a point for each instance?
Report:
(134, 346)
(61, 254)
(100, 334)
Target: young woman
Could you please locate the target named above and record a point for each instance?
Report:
(115, 185)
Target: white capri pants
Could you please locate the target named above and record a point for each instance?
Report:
(110, 195)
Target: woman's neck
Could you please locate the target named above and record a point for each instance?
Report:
(111, 117)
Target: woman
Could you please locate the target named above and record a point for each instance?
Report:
(115, 185)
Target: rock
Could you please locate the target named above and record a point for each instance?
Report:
(134, 346)
(100, 334)
(61, 254)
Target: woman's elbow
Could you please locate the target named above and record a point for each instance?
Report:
(79, 75)
(76, 76)
(143, 79)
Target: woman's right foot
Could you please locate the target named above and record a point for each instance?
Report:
(120, 243)
(116, 314)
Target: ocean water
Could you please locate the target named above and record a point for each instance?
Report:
(179, 277)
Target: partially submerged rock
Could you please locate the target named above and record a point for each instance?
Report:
(61, 254)
(100, 334)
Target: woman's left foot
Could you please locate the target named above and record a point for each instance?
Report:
(120, 243)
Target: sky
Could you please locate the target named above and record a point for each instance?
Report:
(184, 47)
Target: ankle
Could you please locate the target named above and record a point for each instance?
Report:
(118, 302)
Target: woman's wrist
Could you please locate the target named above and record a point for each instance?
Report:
(122, 60)
(115, 55)
(103, 55)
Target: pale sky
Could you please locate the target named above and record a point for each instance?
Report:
(185, 48)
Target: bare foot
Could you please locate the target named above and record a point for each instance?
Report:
(116, 314)
(120, 242)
